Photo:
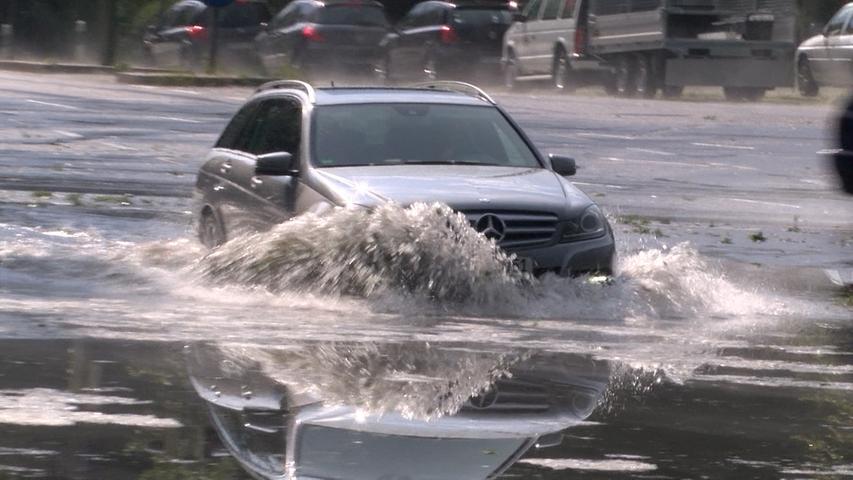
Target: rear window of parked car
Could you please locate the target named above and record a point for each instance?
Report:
(352, 15)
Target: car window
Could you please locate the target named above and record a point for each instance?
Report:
(276, 127)
(532, 9)
(569, 9)
(363, 15)
(837, 23)
(551, 9)
(230, 138)
(393, 134)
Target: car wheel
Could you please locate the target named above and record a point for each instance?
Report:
(626, 69)
(210, 230)
(806, 82)
(430, 70)
(511, 73)
(672, 92)
(645, 80)
(561, 73)
(382, 71)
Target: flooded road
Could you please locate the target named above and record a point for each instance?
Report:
(130, 352)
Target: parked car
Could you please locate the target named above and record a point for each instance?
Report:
(438, 39)
(827, 58)
(182, 36)
(324, 36)
(293, 149)
(548, 42)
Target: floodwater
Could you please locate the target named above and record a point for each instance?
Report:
(406, 349)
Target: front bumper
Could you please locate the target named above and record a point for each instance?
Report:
(596, 255)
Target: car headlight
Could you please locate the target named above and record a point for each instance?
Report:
(591, 224)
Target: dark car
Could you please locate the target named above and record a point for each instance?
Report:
(293, 150)
(446, 40)
(182, 36)
(324, 36)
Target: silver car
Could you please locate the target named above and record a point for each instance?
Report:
(827, 58)
(293, 149)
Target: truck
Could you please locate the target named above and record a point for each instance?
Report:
(744, 46)
(641, 47)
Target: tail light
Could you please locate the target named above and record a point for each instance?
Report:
(196, 32)
(580, 40)
(310, 32)
(448, 34)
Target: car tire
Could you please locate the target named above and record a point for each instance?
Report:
(626, 70)
(561, 73)
(210, 230)
(806, 83)
(510, 73)
(430, 68)
(645, 76)
(382, 71)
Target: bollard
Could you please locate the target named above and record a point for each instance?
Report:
(80, 28)
(6, 35)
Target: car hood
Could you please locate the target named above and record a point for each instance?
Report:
(462, 187)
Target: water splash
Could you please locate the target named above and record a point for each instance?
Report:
(426, 250)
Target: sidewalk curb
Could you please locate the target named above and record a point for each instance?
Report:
(41, 67)
(187, 80)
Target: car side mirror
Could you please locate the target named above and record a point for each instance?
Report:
(519, 17)
(563, 166)
(276, 164)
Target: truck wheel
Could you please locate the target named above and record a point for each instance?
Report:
(510, 69)
(806, 82)
(562, 73)
(645, 77)
(672, 91)
(626, 71)
(743, 94)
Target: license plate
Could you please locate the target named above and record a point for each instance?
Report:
(525, 264)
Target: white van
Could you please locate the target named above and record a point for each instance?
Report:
(548, 41)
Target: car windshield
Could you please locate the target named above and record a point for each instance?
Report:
(352, 15)
(393, 134)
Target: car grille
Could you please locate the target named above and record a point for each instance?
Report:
(523, 229)
(512, 396)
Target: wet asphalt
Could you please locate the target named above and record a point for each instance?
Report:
(726, 351)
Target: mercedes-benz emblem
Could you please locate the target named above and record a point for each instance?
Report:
(492, 227)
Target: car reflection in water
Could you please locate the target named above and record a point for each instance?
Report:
(334, 411)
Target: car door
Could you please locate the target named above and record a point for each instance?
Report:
(275, 128)
(523, 48)
(841, 51)
(219, 180)
(820, 57)
(544, 34)
(271, 43)
(403, 49)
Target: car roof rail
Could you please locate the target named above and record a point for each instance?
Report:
(461, 87)
(291, 85)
